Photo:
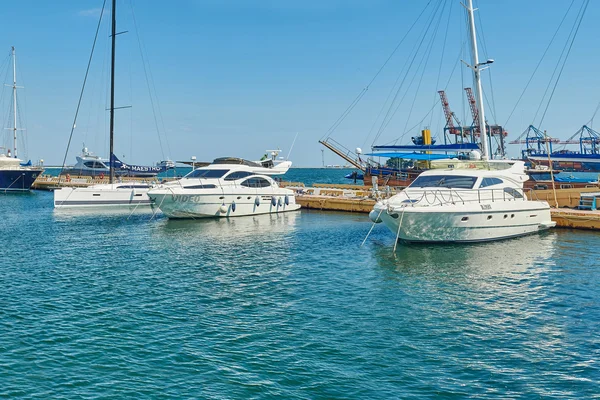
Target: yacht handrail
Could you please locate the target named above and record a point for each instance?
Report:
(440, 196)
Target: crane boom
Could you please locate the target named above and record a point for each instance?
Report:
(448, 114)
(474, 110)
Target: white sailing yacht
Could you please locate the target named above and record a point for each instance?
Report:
(119, 194)
(465, 201)
(16, 175)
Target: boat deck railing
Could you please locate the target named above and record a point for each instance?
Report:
(464, 196)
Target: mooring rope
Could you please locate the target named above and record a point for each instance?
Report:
(158, 207)
(372, 226)
(398, 233)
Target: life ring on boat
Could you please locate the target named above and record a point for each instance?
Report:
(68, 178)
(101, 176)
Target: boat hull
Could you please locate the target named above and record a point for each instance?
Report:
(216, 205)
(106, 196)
(454, 223)
(18, 180)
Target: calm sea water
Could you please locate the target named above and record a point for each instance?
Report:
(107, 305)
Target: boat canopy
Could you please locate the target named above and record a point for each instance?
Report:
(457, 147)
(236, 161)
(410, 156)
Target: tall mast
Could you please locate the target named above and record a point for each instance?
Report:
(112, 90)
(476, 70)
(14, 102)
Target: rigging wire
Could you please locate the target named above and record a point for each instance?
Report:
(425, 58)
(83, 86)
(462, 56)
(393, 105)
(5, 72)
(539, 62)
(437, 81)
(392, 90)
(489, 70)
(148, 72)
(434, 105)
(22, 99)
(580, 16)
(591, 121)
(8, 109)
(364, 90)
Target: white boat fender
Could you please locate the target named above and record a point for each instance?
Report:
(279, 202)
(287, 200)
(233, 206)
(223, 208)
(273, 201)
(375, 216)
(257, 201)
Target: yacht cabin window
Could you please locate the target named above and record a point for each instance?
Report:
(94, 164)
(256, 182)
(234, 176)
(207, 173)
(485, 182)
(208, 186)
(445, 181)
(514, 193)
(133, 187)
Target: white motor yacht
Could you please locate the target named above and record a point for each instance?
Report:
(229, 187)
(468, 202)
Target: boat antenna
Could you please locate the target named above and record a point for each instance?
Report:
(112, 92)
(290, 152)
(477, 67)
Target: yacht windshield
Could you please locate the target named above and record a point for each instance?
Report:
(207, 173)
(446, 181)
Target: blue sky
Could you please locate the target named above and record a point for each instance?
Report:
(240, 76)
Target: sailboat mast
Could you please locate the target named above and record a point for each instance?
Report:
(112, 90)
(477, 77)
(14, 102)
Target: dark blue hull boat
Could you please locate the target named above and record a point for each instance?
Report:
(18, 180)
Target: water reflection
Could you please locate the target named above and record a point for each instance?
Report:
(489, 286)
(68, 214)
(492, 258)
(254, 230)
